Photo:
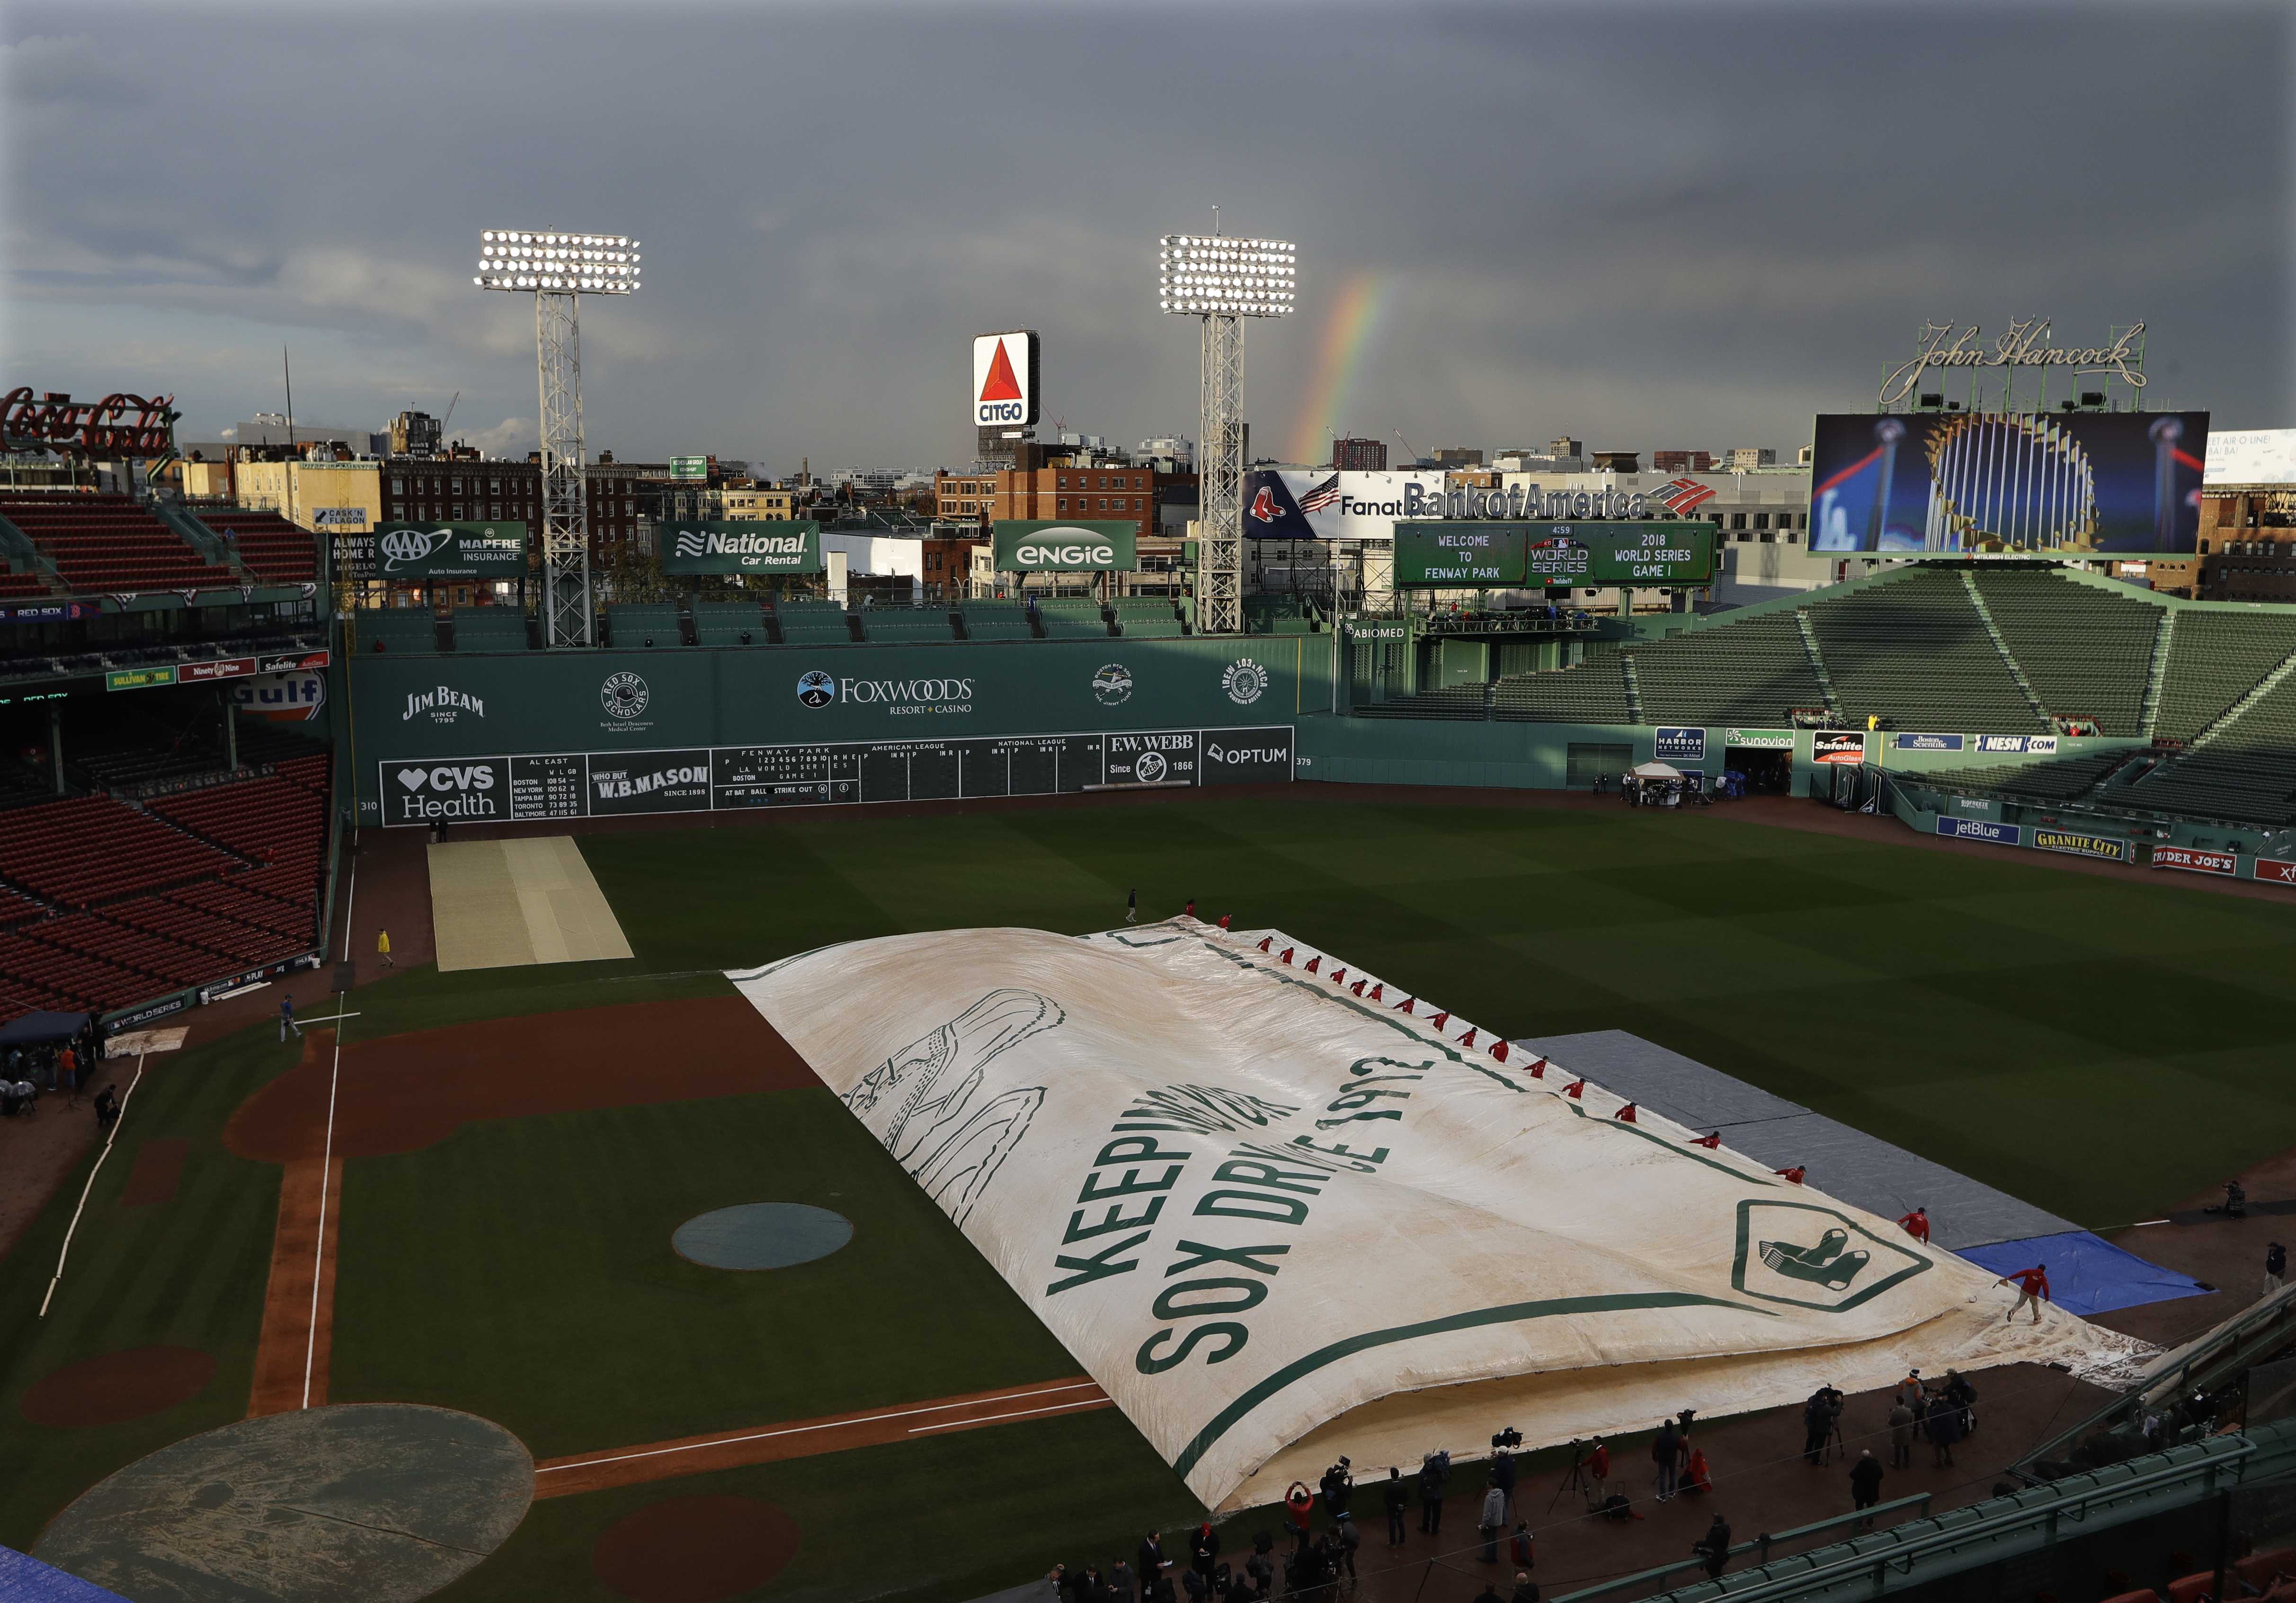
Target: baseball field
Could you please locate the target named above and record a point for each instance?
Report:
(512, 1150)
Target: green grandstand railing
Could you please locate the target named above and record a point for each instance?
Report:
(1913, 1507)
(1920, 1551)
(2273, 1318)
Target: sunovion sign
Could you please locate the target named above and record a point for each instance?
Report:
(1031, 546)
(788, 545)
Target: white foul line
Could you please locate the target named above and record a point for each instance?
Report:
(799, 1430)
(1054, 1407)
(351, 897)
(83, 1190)
(319, 1253)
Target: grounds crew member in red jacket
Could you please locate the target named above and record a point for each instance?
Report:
(1917, 1224)
(2033, 1286)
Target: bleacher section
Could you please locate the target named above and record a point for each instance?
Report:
(1593, 693)
(2086, 652)
(404, 629)
(1915, 651)
(2215, 658)
(641, 624)
(899, 626)
(2039, 782)
(1147, 618)
(102, 904)
(811, 623)
(1067, 618)
(489, 628)
(1751, 673)
(274, 550)
(996, 621)
(110, 543)
(725, 622)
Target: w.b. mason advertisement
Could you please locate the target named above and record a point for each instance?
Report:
(1255, 1191)
(444, 712)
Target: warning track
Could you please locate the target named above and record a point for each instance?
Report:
(805, 1438)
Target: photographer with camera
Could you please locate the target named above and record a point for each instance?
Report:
(1434, 1475)
(1338, 1485)
(1503, 1470)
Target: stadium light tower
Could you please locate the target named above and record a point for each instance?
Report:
(1223, 280)
(558, 269)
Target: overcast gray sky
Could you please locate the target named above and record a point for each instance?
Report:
(1644, 225)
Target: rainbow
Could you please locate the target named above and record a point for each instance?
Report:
(1357, 312)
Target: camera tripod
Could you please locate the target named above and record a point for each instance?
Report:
(1576, 1477)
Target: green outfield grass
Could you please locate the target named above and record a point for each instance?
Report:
(2101, 1046)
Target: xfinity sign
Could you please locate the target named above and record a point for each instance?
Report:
(1033, 545)
(1004, 379)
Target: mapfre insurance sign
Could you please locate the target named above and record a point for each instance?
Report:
(1004, 379)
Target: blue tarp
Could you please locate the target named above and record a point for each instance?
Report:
(26, 1580)
(2087, 1273)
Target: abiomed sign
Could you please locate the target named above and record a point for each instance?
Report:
(791, 546)
(1035, 545)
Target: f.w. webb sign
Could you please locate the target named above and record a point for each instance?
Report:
(1031, 546)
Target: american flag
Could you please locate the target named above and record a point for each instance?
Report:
(1323, 495)
(1682, 495)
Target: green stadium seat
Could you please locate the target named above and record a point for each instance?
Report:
(397, 630)
(725, 622)
(489, 628)
(636, 623)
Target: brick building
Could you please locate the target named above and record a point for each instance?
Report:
(1061, 489)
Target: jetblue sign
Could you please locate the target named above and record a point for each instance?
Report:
(1979, 829)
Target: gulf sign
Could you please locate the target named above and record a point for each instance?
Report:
(1004, 379)
(1033, 545)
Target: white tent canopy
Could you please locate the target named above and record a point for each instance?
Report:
(1657, 771)
(1280, 1211)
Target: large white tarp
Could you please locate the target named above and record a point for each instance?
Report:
(1258, 1195)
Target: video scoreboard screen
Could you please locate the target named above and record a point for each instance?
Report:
(576, 785)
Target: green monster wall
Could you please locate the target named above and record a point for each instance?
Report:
(553, 734)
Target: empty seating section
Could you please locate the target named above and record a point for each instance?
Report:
(1066, 618)
(110, 543)
(2245, 773)
(642, 624)
(2029, 781)
(1461, 701)
(395, 629)
(997, 620)
(1147, 618)
(907, 625)
(813, 623)
(272, 548)
(725, 622)
(1752, 672)
(1595, 692)
(105, 906)
(14, 586)
(1914, 650)
(2215, 658)
(2086, 652)
(92, 848)
(489, 628)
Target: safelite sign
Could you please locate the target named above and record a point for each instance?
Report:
(1004, 379)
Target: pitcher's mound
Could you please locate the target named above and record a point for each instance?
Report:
(385, 1502)
(695, 1549)
(761, 1236)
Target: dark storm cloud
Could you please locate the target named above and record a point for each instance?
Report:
(1644, 226)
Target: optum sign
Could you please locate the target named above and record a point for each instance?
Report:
(1034, 546)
